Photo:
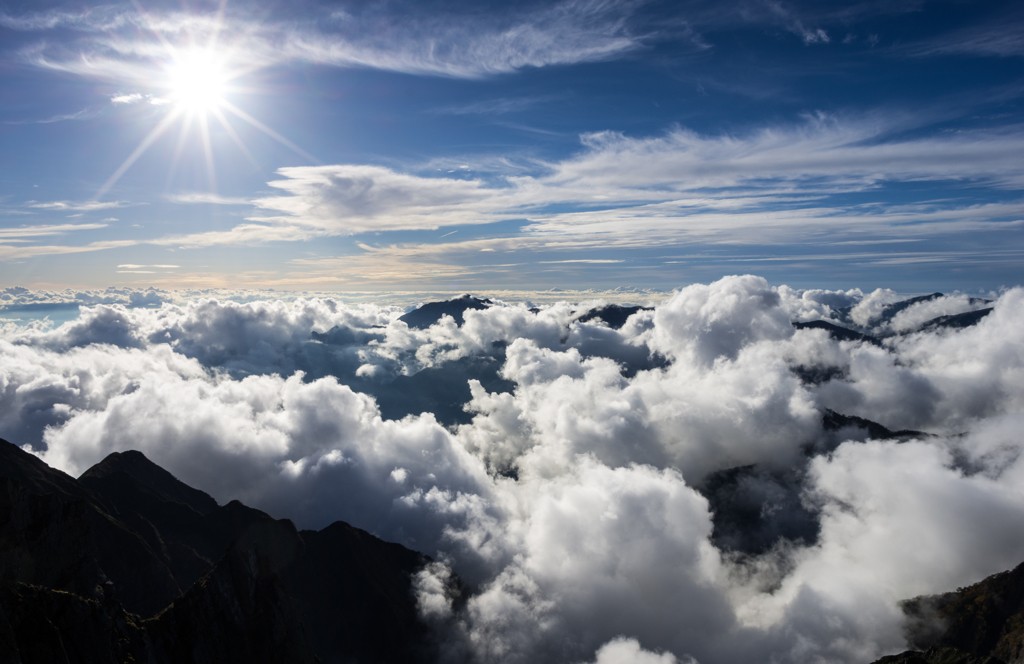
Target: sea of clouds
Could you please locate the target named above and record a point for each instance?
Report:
(582, 490)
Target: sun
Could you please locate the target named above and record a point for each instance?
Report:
(198, 81)
(195, 84)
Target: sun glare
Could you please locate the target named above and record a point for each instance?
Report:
(197, 81)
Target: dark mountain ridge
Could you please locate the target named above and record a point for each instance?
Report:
(127, 563)
(889, 311)
(837, 332)
(614, 315)
(956, 321)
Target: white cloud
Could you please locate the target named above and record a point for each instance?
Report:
(628, 651)
(84, 206)
(98, 18)
(941, 381)
(568, 32)
(45, 229)
(132, 98)
(898, 520)
(917, 314)
(596, 537)
(216, 199)
(352, 199)
(872, 306)
(815, 304)
(786, 182)
(10, 253)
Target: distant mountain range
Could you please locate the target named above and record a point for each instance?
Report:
(889, 311)
(128, 564)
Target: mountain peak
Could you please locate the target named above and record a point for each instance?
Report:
(136, 465)
(29, 470)
(431, 312)
(615, 315)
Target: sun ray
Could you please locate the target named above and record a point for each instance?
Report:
(156, 33)
(218, 23)
(269, 132)
(211, 173)
(235, 137)
(156, 132)
(178, 149)
(197, 75)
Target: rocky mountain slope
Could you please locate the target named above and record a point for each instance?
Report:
(127, 563)
(979, 624)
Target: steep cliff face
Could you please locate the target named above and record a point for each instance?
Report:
(986, 618)
(979, 624)
(240, 612)
(129, 564)
(44, 626)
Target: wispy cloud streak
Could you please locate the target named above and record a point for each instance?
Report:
(456, 46)
(782, 181)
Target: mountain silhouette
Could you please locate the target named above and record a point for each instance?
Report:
(614, 315)
(431, 312)
(127, 563)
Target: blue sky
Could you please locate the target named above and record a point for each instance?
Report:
(582, 144)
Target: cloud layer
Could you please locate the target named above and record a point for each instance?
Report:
(778, 188)
(577, 497)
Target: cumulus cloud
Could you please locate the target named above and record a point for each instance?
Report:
(628, 651)
(817, 304)
(871, 306)
(931, 381)
(586, 497)
(898, 520)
